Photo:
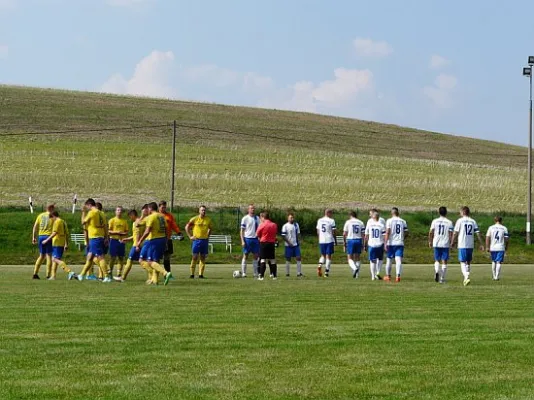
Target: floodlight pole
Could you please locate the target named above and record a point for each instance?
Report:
(173, 163)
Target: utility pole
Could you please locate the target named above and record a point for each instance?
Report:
(173, 168)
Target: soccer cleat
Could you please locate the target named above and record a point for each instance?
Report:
(436, 277)
(397, 279)
(71, 276)
(35, 276)
(52, 278)
(80, 277)
(243, 275)
(355, 273)
(319, 272)
(387, 278)
(191, 276)
(168, 278)
(300, 276)
(326, 274)
(378, 277)
(442, 281)
(260, 278)
(467, 282)
(271, 275)
(107, 279)
(149, 282)
(201, 277)
(287, 275)
(274, 278)
(91, 278)
(118, 279)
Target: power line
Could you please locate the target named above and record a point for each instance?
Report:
(83, 130)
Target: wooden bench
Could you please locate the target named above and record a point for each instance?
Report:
(78, 239)
(221, 239)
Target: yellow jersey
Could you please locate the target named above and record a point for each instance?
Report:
(118, 225)
(62, 233)
(201, 227)
(139, 228)
(158, 226)
(95, 223)
(45, 224)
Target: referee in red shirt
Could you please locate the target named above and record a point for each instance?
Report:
(266, 233)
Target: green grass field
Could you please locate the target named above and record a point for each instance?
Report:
(226, 338)
(275, 158)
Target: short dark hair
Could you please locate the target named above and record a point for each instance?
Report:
(443, 211)
(50, 207)
(162, 203)
(132, 212)
(291, 213)
(54, 214)
(90, 202)
(353, 214)
(374, 210)
(153, 206)
(144, 206)
(395, 211)
(265, 214)
(498, 219)
(466, 210)
(99, 205)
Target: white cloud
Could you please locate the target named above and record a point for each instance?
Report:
(211, 75)
(253, 82)
(127, 3)
(441, 92)
(369, 48)
(4, 51)
(347, 84)
(437, 62)
(150, 77)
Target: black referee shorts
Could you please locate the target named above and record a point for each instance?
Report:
(267, 251)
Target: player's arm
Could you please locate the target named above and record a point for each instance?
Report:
(334, 231)
(67, 236)
(188, 229)
(480, 241)
(284, 236)
(49, 238)
(406, 231)
(488, 238)
(242, 234)
(143, 237)
(431, 236)
(506, 240)
(173, 225)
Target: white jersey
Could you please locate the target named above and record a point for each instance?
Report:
(397, 230)
(376, 231)
(326, 227)
(291, 233)
(250, 225)
(354, 229)
(442, 228)
(466, 228)
(498, 235)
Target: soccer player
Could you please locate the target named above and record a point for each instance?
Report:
(199, 229)
(43, 227)
(375, 232)
(249, 240)
(497, 239)
(267, 232)
(172, 226)
(353, 233)
(291, 236)
(154, 247)
(94, 221)
(465, 230)
(440, 238)
(60, 241)
(381, 261)
(396, 232)
(118, 230)
(326, 232)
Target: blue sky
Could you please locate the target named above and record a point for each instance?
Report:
(449, 66)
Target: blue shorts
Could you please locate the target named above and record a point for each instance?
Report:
(354, 246)
(200, 246)
(376, 253)
(465, 255)
(134, 255)
(57, 252)
(44, 248)
(292, 252)
(156, 249)
(145, 250)
(252, 245)
(497, 256)
(117, 248)
(441, 254)
(96, 247)
(395, 251)
(327, 249)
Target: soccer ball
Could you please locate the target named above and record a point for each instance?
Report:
(237, 274)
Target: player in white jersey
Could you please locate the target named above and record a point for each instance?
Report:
(497, 244)
(353, 233)
(396, 232)
(375, 232)
(440, 238)
(326, 232)
(381, 261)
(291, 236)
(465, 230)
(249, 240)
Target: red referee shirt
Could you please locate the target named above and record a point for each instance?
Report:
(267, 232)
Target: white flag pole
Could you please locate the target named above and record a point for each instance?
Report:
(74, 202)
(31, 204)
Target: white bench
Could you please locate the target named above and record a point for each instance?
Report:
(220, 239)
(339, 240)
(78, 239)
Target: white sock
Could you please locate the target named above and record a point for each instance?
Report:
(358, 265)
(467, 270)
(244, 266)
(498, 271)
(443, 271)
(321, 261)
(299, 267)
(288, 264)
(388, 266)
(379, 266)
(255, 267)
(436, 267)
(373, 269)
(328, 265)
(398, 265)
(464, 270)
(352, 265)
(494, 269)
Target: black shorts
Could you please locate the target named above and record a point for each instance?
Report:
(267, 251)
(169, 249)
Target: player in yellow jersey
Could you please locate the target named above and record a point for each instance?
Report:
(118, 230)
(94, 221)
(139, 227)
(154, 247)
(199, 230)
(60, 241)
(42, 229)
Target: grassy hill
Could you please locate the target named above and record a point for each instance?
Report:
(273, 158)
